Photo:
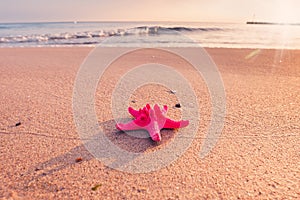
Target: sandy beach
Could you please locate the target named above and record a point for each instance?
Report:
(256, 157)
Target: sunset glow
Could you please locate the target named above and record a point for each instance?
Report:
(168, 10)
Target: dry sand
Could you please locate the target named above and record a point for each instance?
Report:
(256, 157)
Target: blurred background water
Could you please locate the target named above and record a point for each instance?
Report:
(228, 35)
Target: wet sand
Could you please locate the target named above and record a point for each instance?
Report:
(256, 157)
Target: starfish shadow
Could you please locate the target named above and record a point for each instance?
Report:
(80, 153)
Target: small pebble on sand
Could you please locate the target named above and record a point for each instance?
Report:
(172, 91)
(177, 105)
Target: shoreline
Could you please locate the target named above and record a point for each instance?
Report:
(93, 47)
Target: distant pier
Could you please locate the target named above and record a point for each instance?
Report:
(273, 23)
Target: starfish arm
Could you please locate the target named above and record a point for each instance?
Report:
(175, 124)
(154, 131)
(160, 117)
(133, 112)
(128, 126)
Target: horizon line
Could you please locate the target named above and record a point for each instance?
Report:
(117, 21)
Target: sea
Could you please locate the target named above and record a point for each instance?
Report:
(169, 34)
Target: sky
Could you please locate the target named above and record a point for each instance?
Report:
(150, 10)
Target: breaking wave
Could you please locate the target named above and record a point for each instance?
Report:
(94, 37)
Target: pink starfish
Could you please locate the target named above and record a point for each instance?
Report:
(152, 120)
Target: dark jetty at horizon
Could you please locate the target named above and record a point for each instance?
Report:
(273, 23)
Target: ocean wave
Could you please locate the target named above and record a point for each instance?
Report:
(170, 30)
(157, 29)
(64, 38)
